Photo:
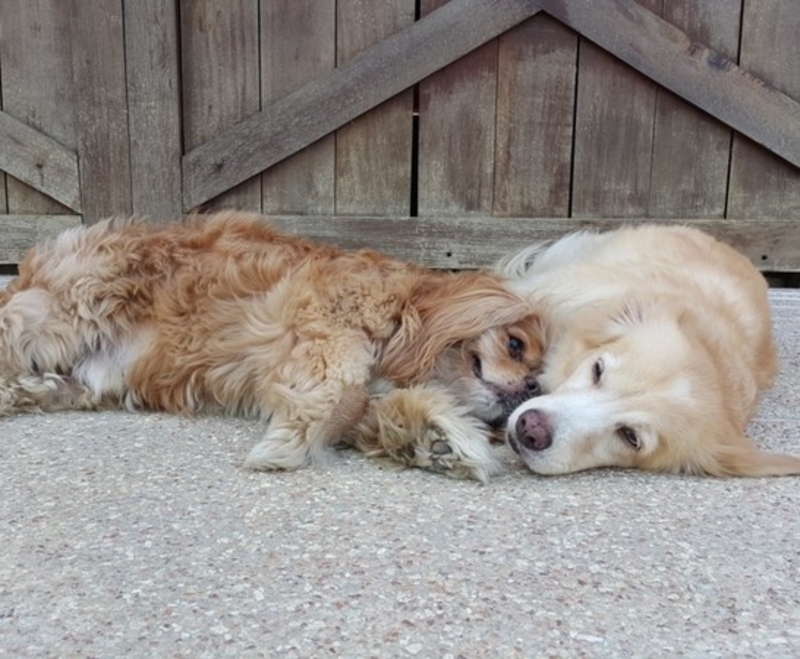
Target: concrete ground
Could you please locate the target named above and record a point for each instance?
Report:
(140, 535)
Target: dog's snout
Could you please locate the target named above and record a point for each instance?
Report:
(533, 430)
(532, 387)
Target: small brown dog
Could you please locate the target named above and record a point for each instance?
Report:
(227, 315)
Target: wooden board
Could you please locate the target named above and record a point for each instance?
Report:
(373, 153)
(220, 75)
(298, 42)
(691, 150)
(18, 233)
(101, 104)
(535, 104)
(151, 58)
(704, 77)
(467, 242)
(457, 110)
(39, 161)
(762, 185)
(329, 102)
(614, 117)
(37, 90)
(3, 197)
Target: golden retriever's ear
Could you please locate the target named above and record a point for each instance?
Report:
(746, 459)
(445, 309)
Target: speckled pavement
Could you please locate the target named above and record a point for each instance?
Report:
(139, 535)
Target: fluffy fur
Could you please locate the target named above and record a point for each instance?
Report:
(659, 346)
(227, 315)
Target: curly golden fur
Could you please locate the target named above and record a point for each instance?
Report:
(228, 315)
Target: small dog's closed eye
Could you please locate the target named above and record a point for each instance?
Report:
(229, 315)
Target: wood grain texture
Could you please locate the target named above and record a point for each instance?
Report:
(614, 117)
(373, 152)
(18, 233)
(457, 117)
(700, 75)
(101, 102)
(151, 58)
(535, 104)
(761, 184)
(41, 162)
(35, 50)
(298, 43)
(220, 75)
(468, 242)
(691, 150)
(329, 102)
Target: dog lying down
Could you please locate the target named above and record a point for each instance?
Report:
(229, 316)
(659, 346)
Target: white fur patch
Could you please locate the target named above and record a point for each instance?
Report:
(105, 371)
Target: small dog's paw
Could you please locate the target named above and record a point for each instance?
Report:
(433, 451)
(275, 454)
(422, 427)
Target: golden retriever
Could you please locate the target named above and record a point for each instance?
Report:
(659, 344)
(227, 315)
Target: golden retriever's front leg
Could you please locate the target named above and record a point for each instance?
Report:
(424, 427)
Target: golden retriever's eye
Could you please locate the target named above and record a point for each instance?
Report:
(629, 435)
(597, 371)
(515, 348)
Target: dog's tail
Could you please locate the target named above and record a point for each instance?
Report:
(749, 460)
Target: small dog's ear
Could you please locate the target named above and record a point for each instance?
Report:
(445, 309)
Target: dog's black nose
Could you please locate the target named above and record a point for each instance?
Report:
(532, 387)
(534, 431)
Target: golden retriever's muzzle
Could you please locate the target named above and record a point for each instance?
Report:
(532, 431)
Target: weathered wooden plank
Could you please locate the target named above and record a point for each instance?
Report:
(101, 103)
(3, 198)
(694, 72)
(761, 184)
(691, 150)
(331, 101)
(37, 89)
(39, 161)
(373, 152)
(298, 43)
(470, 241)
(457, 110)
(220, 66)
(614, 117)
(536, 100)
(18, 233)
(151, 57)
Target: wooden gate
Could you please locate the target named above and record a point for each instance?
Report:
(443, 132)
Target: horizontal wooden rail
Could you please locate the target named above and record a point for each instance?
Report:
(472, 241)
(21, 232)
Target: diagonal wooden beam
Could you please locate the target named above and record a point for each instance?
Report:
(698, 74)
(40, 161)
(320, 107)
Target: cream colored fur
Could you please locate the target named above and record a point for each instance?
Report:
(659, 347)
(227, 315)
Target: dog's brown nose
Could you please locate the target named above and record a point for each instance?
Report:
(534, 431)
